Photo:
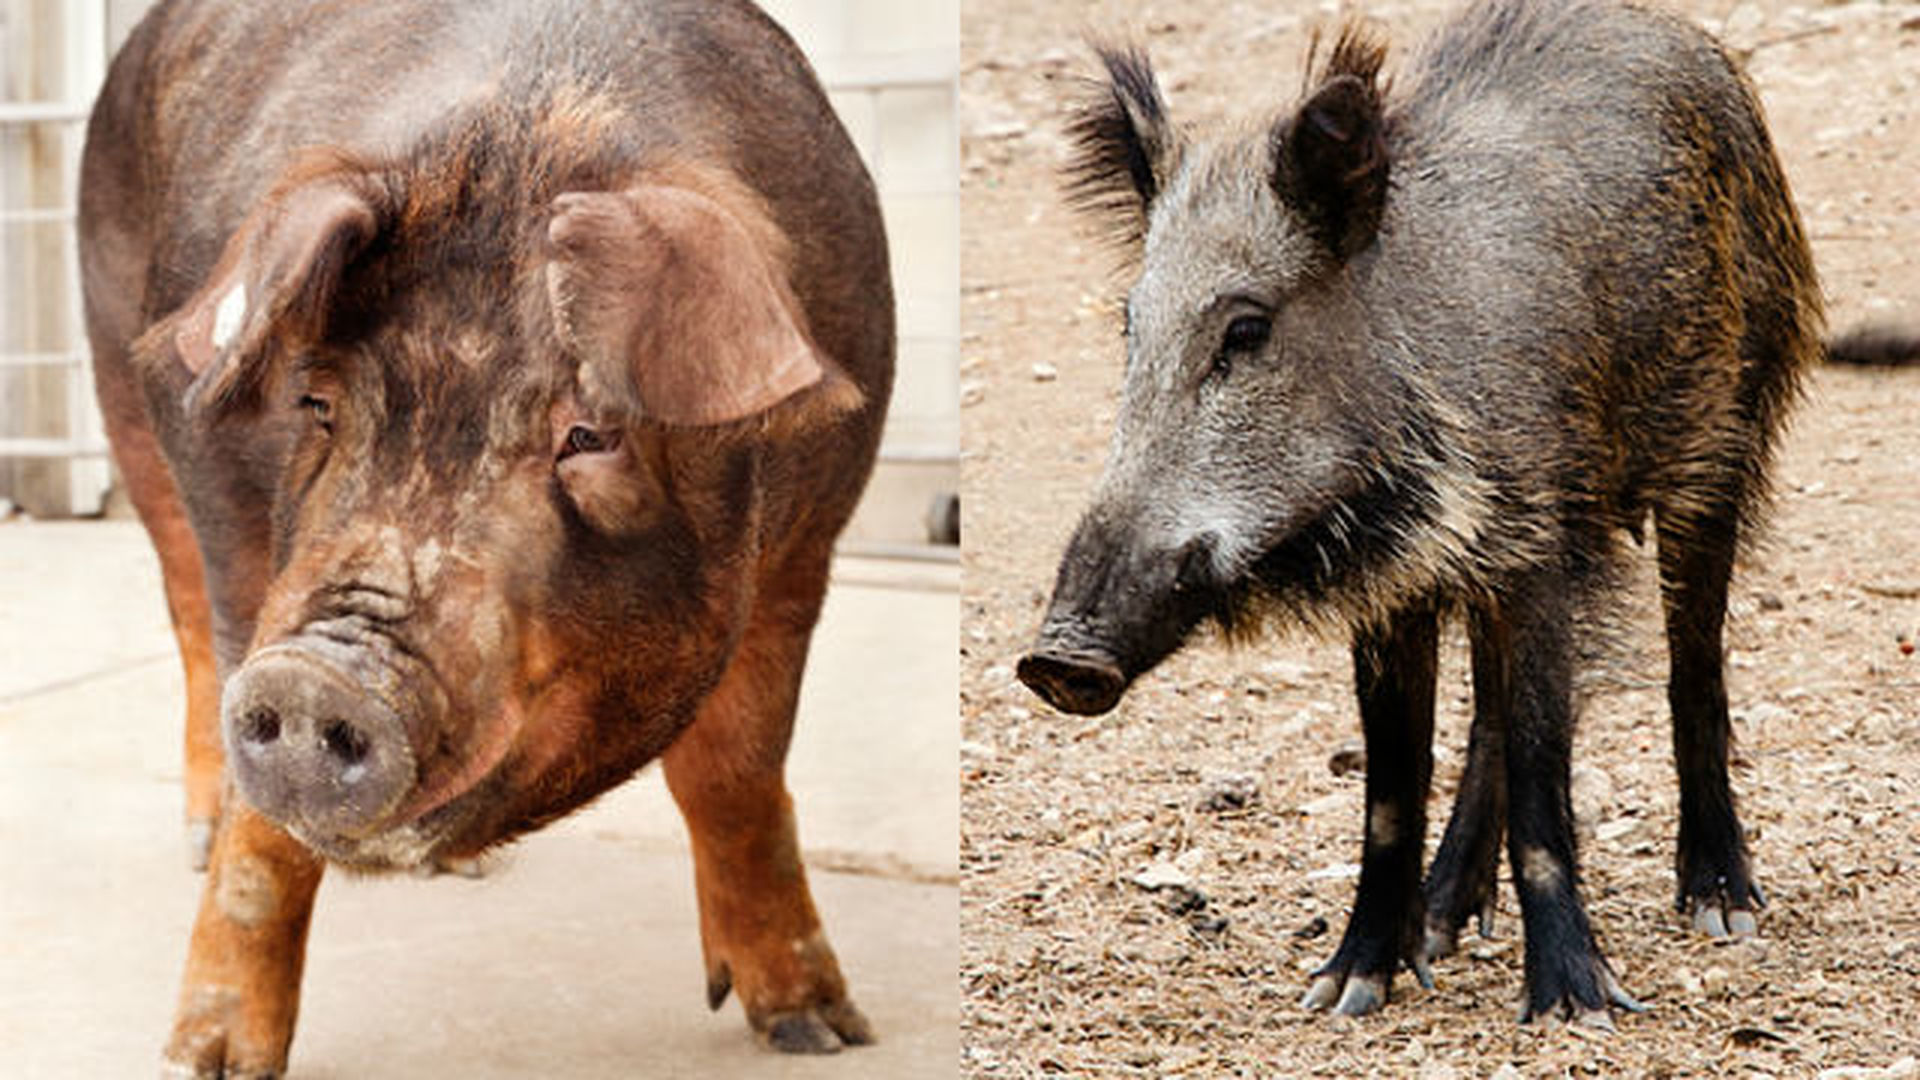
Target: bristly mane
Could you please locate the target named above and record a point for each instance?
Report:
(1111, 174)
(1359, 50)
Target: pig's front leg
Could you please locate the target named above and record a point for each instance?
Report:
(1394, 677)
(758, 929)
(242, 986)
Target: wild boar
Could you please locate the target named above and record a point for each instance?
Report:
(494, 380)
(1432, 347)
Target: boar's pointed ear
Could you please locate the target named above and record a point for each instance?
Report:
(1124, 147)
(677, 301)
(1331, 162)
(278, 275)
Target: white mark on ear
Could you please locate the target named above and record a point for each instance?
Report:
(228, 316)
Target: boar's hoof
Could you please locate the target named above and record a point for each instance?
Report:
(823, 1029)
(1712, 920)
(1074, 682)
(310, 748)
(1575, 987)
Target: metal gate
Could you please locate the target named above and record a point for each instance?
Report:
(53, 54)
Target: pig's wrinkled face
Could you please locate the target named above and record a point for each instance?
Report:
(514, 489)
(485, 597)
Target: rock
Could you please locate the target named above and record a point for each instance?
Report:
(1688, 984)
(1715, 980)
(1350, 758)
(1229, 791)
(1592, 792)
(1335, 872)
(1902, 1069)
(1161, 875)
(1045, 372)
(1505, 1072)
(1325, 804)
(1617, 829)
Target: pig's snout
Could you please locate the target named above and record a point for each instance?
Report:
(1073, 680)
(310, 747)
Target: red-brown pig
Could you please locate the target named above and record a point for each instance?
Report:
(493, 380)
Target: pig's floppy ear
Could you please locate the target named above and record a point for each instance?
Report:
(1125, 149)
(279, 274)
(679, 302)
(1330, 157)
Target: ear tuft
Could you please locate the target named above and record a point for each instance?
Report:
(1330, 157)
(1124, 148)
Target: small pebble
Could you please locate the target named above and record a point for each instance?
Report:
(1351, 758)
(1045, 372)
(1715, 980)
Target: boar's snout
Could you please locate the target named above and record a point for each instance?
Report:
(1075, 681)
(311, 748)
(1121, 604)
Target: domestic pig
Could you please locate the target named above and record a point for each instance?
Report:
(493, 379)
(1431, 347)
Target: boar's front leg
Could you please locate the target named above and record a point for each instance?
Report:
(1394, 677)
(758, 928)
(242, 986)
(1465, 872)
(1530, 627)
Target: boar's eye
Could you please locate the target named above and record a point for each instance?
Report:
(1246, 334)
(582, 439)
(321, 408)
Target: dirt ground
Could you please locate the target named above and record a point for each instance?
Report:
(1071, 968)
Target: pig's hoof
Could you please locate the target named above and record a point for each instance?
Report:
(199, 843)
(1579, 987)
(212, 1067)
(470, 867)
(821, 1029)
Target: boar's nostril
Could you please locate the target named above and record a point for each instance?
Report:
(1075, 684)
(344, 741)
(261, 725)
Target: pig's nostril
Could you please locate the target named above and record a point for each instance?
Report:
(344, 741)
(261, 725)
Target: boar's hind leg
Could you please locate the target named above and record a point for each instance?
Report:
(1465, 870)
(1565, 973)
(242, 986)
(150, 487)
(1715, 887)
(758, 929)
(1393, 676)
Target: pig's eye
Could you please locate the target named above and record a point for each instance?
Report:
(320, 408)
(1246, 334)
(582, 439)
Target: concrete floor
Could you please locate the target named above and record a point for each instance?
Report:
(577, 955)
